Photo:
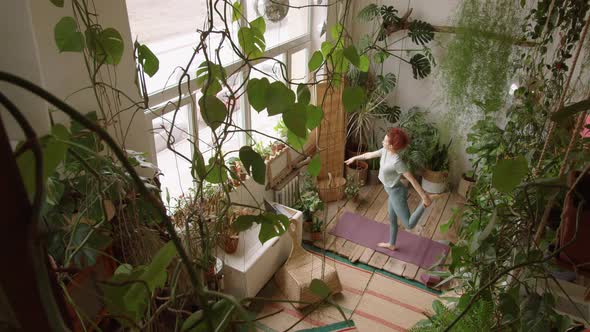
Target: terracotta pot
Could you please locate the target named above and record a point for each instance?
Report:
(307, 226)
(230, 243)
(359, 171)
(434, 182)
(373, 177)
(315, 236)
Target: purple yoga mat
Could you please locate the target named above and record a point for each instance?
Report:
(410, 248)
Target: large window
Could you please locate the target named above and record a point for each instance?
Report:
(169, 28)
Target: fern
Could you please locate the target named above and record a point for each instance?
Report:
(421, 32)
(369, 13)
(420, 66)
(479, 318)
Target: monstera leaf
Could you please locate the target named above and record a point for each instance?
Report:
(421, 32)
(420, 66)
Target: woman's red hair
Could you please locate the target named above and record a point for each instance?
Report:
(398, 138)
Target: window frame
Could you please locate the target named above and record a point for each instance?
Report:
(163, 98)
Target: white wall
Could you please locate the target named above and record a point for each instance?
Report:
(65, 73)
(425, 93)
(19, 56)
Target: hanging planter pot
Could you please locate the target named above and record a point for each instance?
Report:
(272, 10)
(434, 182)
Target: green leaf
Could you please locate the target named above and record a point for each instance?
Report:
(257, 93)
(237, 11)
(320, 288)
(570, 110)
(352, 55)
(438, 307)
(216, 172)
(303, 94)
(364, 63)
(252, 41)
(54, 149)
(508, 173)
(110, 46)
(279, 98)
(55, 190)
(296, 119)
(314, 116)
(67, 36)
(197, 323)
(210, 86)
(272, 225)
(316, 61)
(386, 83)
(369, 12)
(148, 60)
(259, 24)
(213, 111)
(315, 166)
(326, 48)
(58, 3)
(420, 66)
(421, 32)
(336, 31)
(295, 141)
(243, 223)
(353, 98)
(253, 163)
(339, 62)
(198, 169)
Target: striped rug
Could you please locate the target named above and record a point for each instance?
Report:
(375, 300)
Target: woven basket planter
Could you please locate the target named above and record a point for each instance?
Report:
(331, 189)
(359, 171)
(434, 182)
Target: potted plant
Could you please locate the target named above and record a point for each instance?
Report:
(352, 188)
(230, 238)
(237, 170)
(361, 122)
(435, 175)
(466, 183)
(358, 170)
(309, 202)
(423, 136)
(316, 229)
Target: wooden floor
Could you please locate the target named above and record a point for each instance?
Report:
(379, 295)
(372, 203)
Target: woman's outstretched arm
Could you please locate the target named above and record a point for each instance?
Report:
(364, 156)
(425, 198)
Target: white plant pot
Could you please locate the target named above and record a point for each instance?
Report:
(434, 182)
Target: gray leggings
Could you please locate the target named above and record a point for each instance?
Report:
(397, 205)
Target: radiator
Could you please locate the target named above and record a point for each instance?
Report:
(286, 192)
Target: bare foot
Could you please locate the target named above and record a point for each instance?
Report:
(387, 246)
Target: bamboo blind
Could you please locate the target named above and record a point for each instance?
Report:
(332, 131)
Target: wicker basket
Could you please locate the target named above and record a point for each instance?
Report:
(331, 189)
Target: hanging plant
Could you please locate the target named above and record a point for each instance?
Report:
(272, 10)
(477, 65)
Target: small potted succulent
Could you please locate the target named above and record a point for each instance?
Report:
(352, 188)
(316, 228)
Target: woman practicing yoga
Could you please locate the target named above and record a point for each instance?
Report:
(390, 171)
